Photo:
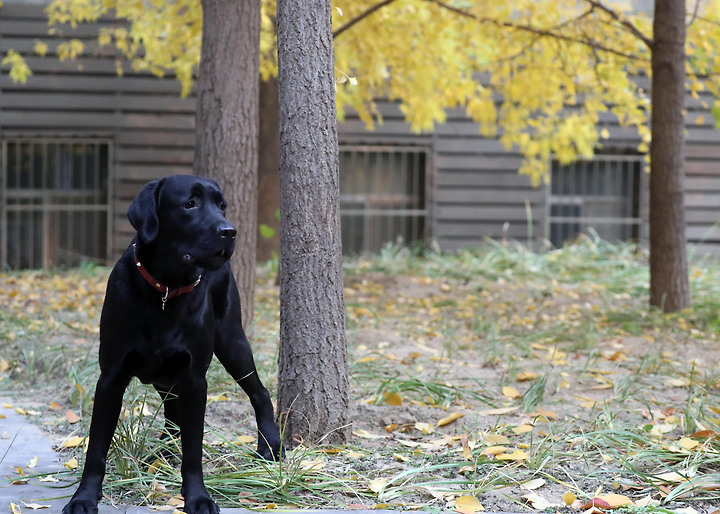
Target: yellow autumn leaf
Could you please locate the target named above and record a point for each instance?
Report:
(526, 376)
(71, 417)
(313, 464)
(367, 435)
(154, 467)
(32, 462)
(377, 485)
(538, 502)
(73, 442)
(531, 485)
(71, 464)
(569, 497)
(355, 455)
(467, 504)
(616, 500)
(393, 399)
(522, 429)
(450, 418)
(425, 428)
(511, 392)
(495, 450)
(498, 412)
(516, 455)
(15, 509)
(687, 443)
(245, 439)
(4, 365)
(493, 439)
(55, 406)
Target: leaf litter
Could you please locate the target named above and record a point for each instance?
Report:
(500, 379)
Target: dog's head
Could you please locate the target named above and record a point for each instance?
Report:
(185, 215)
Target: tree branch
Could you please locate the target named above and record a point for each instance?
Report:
(539, 31)
(695, 13)
(360, 17)
(622, 21)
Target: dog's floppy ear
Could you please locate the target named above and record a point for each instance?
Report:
(143, 211)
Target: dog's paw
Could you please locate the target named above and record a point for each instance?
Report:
(200, 505)
(80, 506)
(269, 445)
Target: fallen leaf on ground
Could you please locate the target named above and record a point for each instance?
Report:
(538, 502)
(516, 455)
(531, 485)
(511, 392)
(35, 506)
(73, 442)
(393, 399)
(450, 418)
(615, 500)
(467, 504)
(71, 417)
(377, 485)
(526, 376)
(367, 435)
(498, 412)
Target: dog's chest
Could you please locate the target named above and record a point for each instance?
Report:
(163, 355)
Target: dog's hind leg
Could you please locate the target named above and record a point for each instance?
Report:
(235, 355)
(171, 408)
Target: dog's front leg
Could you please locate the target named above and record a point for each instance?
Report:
(192, 397)
(106, 410)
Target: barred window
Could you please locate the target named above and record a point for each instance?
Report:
(55, 202)
(602, 194)
(383, 196)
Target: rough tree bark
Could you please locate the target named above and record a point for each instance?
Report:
(226, 145)
(313, 389)
(669, 286)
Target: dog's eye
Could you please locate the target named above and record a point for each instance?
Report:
(190, 204)
(223, 207)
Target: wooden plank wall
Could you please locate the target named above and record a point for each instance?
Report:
(151, 126)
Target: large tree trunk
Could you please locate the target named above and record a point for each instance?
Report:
(226, 145)
(669, 287)
(313, 389)
(268, 178)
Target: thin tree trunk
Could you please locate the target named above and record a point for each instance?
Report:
(669, 287)
(268, 179)
(313, 388)
(227, 124)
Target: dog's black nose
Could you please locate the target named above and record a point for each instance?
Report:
(227, 231)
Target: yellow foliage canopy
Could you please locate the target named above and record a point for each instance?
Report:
(541, 75)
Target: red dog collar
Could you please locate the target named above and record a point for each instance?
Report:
(165, 290)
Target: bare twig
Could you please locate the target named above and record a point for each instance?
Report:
(622, 21)
(360, 17)
(539, 31)
(695, 13)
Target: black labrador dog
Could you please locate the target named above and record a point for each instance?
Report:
(171, 303)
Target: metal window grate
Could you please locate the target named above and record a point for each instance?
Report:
(383, 196)
(602, 194)
(55, 201)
